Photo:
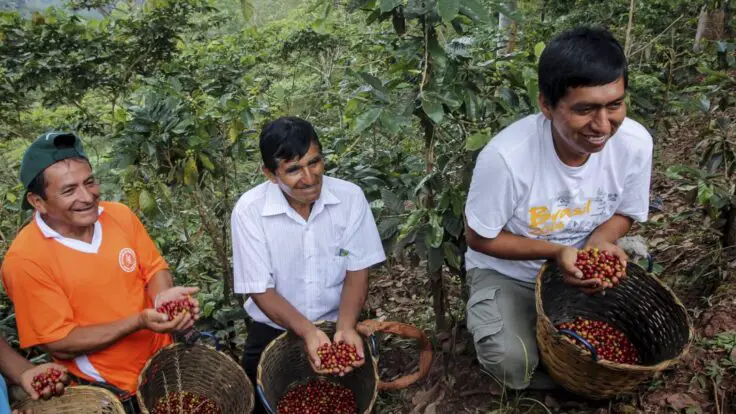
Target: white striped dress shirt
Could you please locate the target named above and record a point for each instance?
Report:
(304, 260)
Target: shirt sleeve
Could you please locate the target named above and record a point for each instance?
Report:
(635, 197)
(150, 260)
(251, 262)
(491, 197)
(42, 309)
(362, 240)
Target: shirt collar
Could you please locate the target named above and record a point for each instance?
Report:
(50, 233)
(276, 202)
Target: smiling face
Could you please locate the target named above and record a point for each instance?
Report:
(72, 197)
(585, 119)
(300, 179)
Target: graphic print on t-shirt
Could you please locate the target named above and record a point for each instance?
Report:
(567, 220)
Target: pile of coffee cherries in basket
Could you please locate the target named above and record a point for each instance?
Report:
(175, 307)
(46, 379)
(318, 396)
(336, 357)
(185, 403)
(601, 265)
(610, 343)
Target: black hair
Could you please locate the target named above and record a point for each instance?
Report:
(286, 138)
(583, 56)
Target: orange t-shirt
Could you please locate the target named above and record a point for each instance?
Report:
(56, 288)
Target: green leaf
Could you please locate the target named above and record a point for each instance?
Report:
(452, 255)
(388, 227)
(11, 197)
(474, 10)
(538, 49)
(389, 122)
(411, 223)
(434, 238)
(146, 202)
(206, 162)
(453, 224)
(705, 193)
(435, 258)
(477, 141)
(246, 7)
(366, 119)
(379, 90)
(392, 201)
(448, 9)
(437, 52)
(191, 174)
(388, 5)
(433, 109)
(208, 308)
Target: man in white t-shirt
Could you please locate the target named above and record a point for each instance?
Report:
(302, 246)
(575, 175)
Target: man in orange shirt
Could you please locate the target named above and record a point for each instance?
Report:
(85, 276)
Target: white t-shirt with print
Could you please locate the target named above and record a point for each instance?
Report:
(520, 185)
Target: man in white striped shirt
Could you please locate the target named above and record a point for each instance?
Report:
(302, 246)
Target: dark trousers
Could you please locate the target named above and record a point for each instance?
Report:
(259, 336)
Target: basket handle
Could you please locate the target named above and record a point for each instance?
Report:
(369, 327)
(262, 396)
(591, 348)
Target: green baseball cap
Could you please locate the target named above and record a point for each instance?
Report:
(45, 151)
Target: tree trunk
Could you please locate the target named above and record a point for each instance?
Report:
(702, 24)
(507, 26)
(629, 41)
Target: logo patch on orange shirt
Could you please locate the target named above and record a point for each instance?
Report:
(127, 259)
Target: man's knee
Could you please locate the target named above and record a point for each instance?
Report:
(513, 367)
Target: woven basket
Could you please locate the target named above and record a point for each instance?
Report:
(641, 306)
(284, 363)
(199, 369)
(76, 399)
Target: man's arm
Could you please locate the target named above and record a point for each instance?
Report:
(12, 364)
(160, 282)
(89, 339)
(354, 293)
(284, 314)
(512, 247)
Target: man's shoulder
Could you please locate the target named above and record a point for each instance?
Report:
(342, 189)
(114, 208)
(26, 243)
(633, 139)
(515, 143)
(252, 199)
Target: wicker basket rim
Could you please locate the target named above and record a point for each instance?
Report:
(661, 366)
(114, 400)
(374, 362)
(139, 395)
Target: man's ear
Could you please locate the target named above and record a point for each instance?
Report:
(544, 106)
(270, 175)
(37, 202)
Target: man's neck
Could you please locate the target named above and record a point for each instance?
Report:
(85, 233)
(570, 158)
(303, 210)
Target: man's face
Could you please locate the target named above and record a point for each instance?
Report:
(72, 195)
(587, 117)
(300, 179)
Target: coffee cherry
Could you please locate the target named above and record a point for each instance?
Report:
(318, 396)
(610, 343)
(337, 357)
(45, 379)
(600, 265)
(175, 307)
(185, 402)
